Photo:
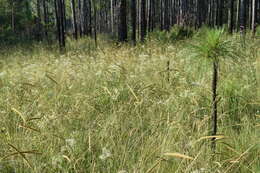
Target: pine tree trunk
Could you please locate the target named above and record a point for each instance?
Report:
(73, 9)
(85, 17)
(63, 23)
(112, 16)
(133, 20)
(214, 115)
(238, 16)
(143, 20)
(13, 16)
(231, 14)
(95, 22)
(58, 22)
(166, 15)
(59, 9)
(90, 18)
(39, 30)
(122, 29)
(242, 21)
(80, 18)
(220, 14)
(46, 21)
(63, 7)
(253, 18)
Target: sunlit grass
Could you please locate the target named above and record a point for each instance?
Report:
(112, 109)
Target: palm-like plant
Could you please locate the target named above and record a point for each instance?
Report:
(214, 47)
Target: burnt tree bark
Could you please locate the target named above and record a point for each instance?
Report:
(122, 27)
(231, 16)
(143, 20)
(75, 34)
(133, 20)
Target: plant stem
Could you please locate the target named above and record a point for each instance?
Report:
(214, 103)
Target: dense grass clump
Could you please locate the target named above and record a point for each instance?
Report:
(114, 109)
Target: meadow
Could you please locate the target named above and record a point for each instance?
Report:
(120, 108)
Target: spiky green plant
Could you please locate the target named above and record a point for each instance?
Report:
(213, 47)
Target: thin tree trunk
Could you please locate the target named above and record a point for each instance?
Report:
(39, 31)
(95, 22)
(85, 17)
(166, 15)
(63, 7)
(90, 18)
(214, 115)
(231, 14)
(253, 18)
(143, 20)
(13, 16)
(46, 21)
(73, 8)
(122, 30)
(133, 19)
(238, 15)
(112, 16)
(242, 21)
(80, 18)
(58, 22)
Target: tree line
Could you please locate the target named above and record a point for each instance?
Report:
(126, 20)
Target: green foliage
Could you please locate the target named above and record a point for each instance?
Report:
(257, 31)
(213, 44)
(180, 33)
(175, 34)
(111, 109)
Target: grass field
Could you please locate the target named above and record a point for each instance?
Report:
(119, 109)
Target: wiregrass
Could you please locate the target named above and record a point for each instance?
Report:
(112, 109)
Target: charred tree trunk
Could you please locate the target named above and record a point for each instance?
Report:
(39, 28)
(90, 18)
(133, 20)
(80, 18)
(243, 20)
(58, 22)
(122, 29)
(46, 20)
(95, 22)
(13, 15)
(112, 16)
(85, 17)
(214, 115)
(59, 10)
(143, 20)
(166, 15)
(74, 19)
(231, 15)
(253, 18)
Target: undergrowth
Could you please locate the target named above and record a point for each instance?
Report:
(117, 108)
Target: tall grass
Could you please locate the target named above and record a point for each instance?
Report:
(112, 109)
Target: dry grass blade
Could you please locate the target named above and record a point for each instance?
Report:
(67, 158)
(131, 90)
(238, 159)
(178, 155)
(210, 137)
(20, 114)
(107, 90)
(24, 152)
(155, 165)
(230, 148)
(30, 128)
(21, 154)
(51, 78)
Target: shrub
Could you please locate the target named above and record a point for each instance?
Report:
(180, 33)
